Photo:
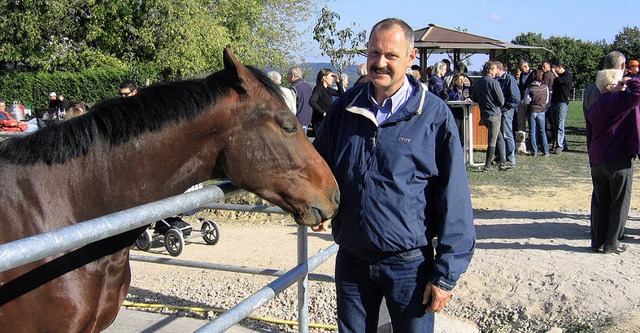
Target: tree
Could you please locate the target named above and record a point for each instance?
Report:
(326, 33)
(180, 37)
(627, 42)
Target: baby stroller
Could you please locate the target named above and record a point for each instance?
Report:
(175, 230)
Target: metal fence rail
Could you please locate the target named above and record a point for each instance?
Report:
(30, 249)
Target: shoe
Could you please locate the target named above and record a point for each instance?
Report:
(614, 249)
(558, 151)
(486, 169)
(596, 249)
(546, 154)
(506, 166)
(533, 154)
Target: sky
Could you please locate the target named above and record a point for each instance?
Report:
(588, 20)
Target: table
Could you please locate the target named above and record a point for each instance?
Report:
(468, 125)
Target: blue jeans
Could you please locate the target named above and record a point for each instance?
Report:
(559, 111)
(362, 281)
(537, 121)
(506, 127)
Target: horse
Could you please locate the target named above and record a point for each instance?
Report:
(129, 151)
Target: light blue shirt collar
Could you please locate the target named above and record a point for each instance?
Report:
(391, 104)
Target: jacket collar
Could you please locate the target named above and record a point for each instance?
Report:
(362, 105)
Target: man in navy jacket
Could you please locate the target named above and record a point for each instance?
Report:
(405, 222)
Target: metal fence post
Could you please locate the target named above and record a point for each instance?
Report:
(303, 284)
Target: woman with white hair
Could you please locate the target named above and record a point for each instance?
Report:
(288, 94)
(613, 141)
(436, 84)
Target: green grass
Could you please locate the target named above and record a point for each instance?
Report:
(550, 171)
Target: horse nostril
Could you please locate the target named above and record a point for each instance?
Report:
(336, 197)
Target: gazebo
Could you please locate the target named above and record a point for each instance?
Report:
(435, 39)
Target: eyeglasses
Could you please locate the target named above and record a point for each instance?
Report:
(125, 93)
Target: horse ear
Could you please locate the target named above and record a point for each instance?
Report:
(229, 59)
(232, 64)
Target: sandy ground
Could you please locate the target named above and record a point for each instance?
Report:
(532, 265)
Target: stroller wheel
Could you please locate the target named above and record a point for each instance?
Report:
(210, 232)
(143, 242)
(174, 241)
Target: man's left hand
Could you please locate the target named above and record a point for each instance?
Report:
(435, 297)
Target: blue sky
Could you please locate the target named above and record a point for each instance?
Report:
(588, 20)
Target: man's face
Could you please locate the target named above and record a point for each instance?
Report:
(388, 58)
(524, 68)
(634, 69)
(2, 106)
(126, 92)
(546, 67)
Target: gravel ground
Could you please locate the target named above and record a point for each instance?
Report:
(532, 272)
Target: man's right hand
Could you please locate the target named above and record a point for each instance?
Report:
(324, 226)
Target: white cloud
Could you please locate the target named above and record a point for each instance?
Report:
(495, 17)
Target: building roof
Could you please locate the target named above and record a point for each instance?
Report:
(437, 39)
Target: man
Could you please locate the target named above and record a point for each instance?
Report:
(511, 93)
(560, 103)
(633, 69)
(128, 88)
(524, 81)
(613, 60)
(303, 93)
(448, 74)
(613, 142)
(488, 94)
(402, 184)
(547, 75)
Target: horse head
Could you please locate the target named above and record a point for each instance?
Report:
(268, 153)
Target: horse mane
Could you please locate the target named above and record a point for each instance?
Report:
(118, 120)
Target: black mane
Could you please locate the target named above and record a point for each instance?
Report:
(120, 119)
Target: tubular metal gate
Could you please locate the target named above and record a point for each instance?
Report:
(30, 249)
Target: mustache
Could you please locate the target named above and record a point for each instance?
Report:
(380, 70)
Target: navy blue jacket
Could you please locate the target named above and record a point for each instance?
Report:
(510, 91)
(402, 183)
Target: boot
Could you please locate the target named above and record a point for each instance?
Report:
(491, 152)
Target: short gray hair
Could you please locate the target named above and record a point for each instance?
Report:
(614, 60)
(295, 71)
(389, 23)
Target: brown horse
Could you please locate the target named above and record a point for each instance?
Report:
(131, 151)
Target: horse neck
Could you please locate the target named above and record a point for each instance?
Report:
(150, 167)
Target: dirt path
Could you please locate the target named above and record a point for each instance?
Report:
(532, 269)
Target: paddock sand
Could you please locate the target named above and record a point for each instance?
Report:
(533, 270)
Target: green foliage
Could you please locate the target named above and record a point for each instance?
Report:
(91, 85)
(628, 42)
(179, 38)
(581, 58)
(340, 45)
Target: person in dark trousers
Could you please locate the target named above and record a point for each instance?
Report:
(488, 94)
(613, 142)
(561, 92)
(394, 150)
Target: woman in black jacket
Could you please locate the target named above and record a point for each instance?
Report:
(322, 95)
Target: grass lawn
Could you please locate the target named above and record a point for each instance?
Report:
(552, 171)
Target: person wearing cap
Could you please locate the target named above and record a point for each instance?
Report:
(53, 100)
(632, 70)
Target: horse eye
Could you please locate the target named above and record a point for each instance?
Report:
(290, 129)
